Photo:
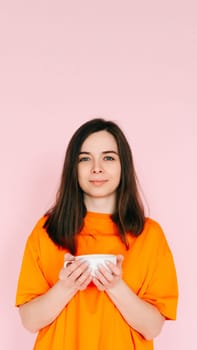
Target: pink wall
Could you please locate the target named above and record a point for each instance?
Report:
(65, 62)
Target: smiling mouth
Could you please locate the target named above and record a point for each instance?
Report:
(98, 182)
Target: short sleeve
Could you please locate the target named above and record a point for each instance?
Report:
(162, 288)
(31, 282)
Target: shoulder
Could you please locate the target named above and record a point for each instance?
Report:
(151, 245)
(153, 225)
(153, 233)
(38, 233)
(39, 226)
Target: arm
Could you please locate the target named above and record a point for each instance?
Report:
(44, 309)
(139, 314)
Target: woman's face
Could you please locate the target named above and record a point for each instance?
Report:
(99, 168)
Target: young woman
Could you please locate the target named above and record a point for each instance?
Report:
(97, 210)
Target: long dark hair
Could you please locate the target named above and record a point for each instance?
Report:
(65, 219)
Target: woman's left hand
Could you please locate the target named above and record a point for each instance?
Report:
(108, 278)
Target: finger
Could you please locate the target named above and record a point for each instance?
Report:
(69, 267)
(68, 262)
(104, 273)
(114, 269)
(83, 277)
(68, 257)
(104, 277)
(119, 260)
(74, 264)
(98, 284)
(85, 283)
(77, 269)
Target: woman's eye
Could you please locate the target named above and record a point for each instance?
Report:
(84, 159)
(108, 158)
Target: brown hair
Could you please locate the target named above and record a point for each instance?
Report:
(65, 219)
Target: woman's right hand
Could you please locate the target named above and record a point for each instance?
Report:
(76, 274)
(44, 309)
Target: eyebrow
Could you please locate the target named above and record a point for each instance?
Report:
(104, 152)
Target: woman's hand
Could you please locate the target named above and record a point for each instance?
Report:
(106, 279)
(76, 273)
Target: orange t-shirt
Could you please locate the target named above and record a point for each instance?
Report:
(90, 321)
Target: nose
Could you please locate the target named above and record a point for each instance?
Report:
(97, 169)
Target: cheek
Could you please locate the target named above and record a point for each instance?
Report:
(82, 174)
(80, 182)
(119, 174)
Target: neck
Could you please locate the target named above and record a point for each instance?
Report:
(100, 205)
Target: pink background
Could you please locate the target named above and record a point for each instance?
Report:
(63, 62)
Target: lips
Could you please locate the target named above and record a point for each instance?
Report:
(97, 182)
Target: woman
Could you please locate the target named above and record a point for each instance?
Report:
(97, 210)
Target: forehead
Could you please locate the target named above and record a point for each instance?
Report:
(100, 141)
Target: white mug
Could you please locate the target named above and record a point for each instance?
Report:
(94, 260)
